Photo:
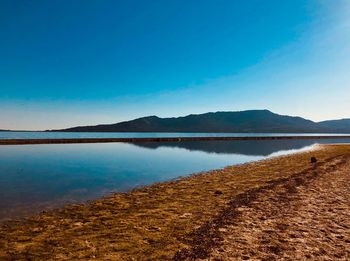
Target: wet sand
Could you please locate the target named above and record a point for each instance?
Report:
(284, 207)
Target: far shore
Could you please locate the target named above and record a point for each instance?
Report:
(164, 139)
(196, 217)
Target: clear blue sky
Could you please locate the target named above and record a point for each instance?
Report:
(67, 63)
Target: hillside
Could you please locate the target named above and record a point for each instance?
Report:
(342, 125)
(252, 121)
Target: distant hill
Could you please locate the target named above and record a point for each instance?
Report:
(251, 121)
(342, 125)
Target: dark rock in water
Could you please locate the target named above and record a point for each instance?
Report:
(313, 160)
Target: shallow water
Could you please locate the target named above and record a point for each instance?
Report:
(39, 177)
(72, 135)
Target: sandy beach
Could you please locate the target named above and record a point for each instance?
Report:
(281, 208)
(302, 217)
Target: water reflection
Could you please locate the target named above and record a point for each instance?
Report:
(37, 177)
(245, 147)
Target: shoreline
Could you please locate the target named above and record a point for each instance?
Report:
(153, 222)
(304, 216)
(164, 139)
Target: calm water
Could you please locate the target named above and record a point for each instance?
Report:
(38, 177)
(62, 135)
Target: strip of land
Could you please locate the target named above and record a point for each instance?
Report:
(244, 211)
(163, 139)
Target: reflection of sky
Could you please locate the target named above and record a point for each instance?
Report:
(286, 152)
(38, 176)
(117, 162)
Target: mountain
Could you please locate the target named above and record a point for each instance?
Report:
(342, 125)
(262, 121)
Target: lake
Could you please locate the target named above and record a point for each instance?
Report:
(39, 177)
(72, 135)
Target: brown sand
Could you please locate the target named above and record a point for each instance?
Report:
(281, 207)
(306, 217)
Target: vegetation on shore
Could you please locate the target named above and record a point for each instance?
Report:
(149, 223)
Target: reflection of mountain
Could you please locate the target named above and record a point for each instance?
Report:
(245, 147)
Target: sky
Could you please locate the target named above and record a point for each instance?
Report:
(70, 63)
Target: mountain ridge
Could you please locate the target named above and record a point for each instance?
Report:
(248, 121)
